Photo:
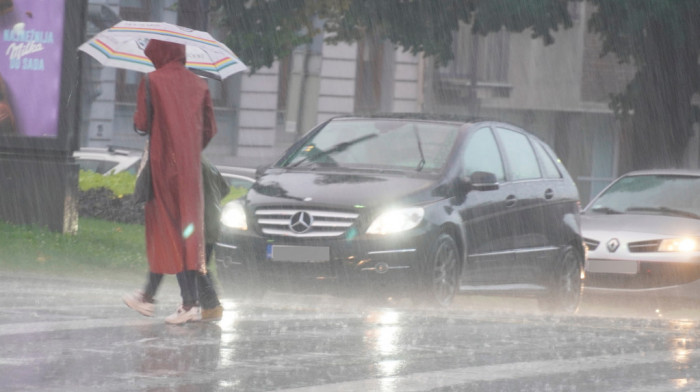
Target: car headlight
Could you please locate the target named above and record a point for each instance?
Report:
(395, 221)
(678, 245)
(233, 216)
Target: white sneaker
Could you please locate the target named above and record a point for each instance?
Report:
(135, 301)
(182, 316)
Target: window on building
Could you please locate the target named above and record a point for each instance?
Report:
(479, 60)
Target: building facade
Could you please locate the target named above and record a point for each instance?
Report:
(559, 92)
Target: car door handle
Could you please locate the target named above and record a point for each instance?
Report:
(548, 194)
(510, 201)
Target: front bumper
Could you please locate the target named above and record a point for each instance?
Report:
(662, 278)
(359, 263)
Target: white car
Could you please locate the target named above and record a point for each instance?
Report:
(643, 234)
(109, 160)
(112, 160)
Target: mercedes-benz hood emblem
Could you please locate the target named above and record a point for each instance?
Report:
(301, 222)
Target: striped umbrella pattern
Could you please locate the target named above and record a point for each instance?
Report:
(122, 46)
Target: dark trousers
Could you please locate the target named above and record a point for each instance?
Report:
(207, 295)
(187, 280)
(193, 285)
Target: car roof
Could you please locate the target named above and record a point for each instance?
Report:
(662, 172)
(111, 150)
(244, 171)
(452, 118)
(120, 159)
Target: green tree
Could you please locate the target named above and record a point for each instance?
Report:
(662, 39)
(261, 31)
(659, 37)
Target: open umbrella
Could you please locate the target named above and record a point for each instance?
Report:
(122, 46)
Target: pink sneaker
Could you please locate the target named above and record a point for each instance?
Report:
(182, 316)
(135, 301)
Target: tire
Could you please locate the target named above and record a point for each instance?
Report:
(564, 286)
(439, 279)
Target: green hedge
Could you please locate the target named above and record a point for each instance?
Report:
(120, 184)
(123, 184)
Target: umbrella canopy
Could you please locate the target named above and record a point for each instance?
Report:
(122, 46)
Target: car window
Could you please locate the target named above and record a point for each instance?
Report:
(89, 164)
(522, 162)
(98, 166)
(238, 182)
(481, 154)
(549, 168)
(134, 167)
(397, 144)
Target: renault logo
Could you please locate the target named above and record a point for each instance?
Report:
(301, 222)
(613, 244)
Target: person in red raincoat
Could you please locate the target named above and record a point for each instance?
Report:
(182, 125)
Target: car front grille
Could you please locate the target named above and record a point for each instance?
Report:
(644, 246)
(322, 223)
(591, 244)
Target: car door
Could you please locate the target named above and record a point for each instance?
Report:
(485, 214)
(529, 219)
(559, 200)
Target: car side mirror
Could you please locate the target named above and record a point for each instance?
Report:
(260, 170)
(483, 181)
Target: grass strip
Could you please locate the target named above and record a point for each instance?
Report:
(98, 246)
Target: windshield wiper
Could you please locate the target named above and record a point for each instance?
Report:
(421, 164)
(337, 148)
(606, 210)
(666, 210)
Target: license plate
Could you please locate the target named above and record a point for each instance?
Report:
(630, 267)
(300, 254)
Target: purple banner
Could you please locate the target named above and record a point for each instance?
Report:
(30, 66)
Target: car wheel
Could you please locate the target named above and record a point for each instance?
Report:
(565, 286)
(439, 278)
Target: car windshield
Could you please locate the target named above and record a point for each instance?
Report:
(390, 144)
(651, 194)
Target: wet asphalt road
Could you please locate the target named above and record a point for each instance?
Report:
(65, 334)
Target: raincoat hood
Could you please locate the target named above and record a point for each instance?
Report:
(163, 52)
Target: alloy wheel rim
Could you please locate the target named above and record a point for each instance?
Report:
(444, 281)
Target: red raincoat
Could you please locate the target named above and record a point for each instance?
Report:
(183, 123)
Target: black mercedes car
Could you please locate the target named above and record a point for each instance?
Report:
(427, 207)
